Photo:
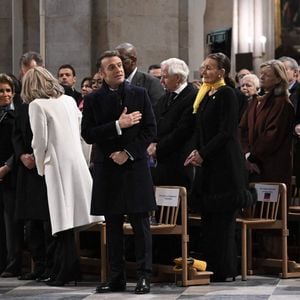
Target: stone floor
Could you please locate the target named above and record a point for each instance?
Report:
(257, 287)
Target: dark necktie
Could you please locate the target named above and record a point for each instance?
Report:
(171, 98)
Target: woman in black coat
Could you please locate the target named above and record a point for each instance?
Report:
(10, 230)
(219, 187)
(31, 196)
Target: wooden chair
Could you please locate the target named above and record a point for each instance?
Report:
(294, 216)
(294, 266)
(168, 223)
(265, 215)
(89, 263)
(295, 197)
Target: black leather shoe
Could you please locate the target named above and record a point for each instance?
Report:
(142, 286)
(107, 288)
(60, 282)
(46, 276)
(222, 279)
(6, 274)
(29, 276)
(41, 279)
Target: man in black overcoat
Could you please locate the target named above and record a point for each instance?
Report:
(175, 124)
(119, 119)
(291, 67)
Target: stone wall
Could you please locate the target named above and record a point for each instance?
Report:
(68, 36)
(218, 15)
(78, 31)
(151, 26)
(31, 28)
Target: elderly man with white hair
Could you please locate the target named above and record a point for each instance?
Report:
(175, 122)
(174, 125)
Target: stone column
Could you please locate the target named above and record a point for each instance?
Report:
(196, 37)
(17, 34)
(68, 36)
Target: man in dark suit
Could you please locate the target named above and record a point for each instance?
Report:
(119, 119)
(291, 67)
(155, 70)
(174, 116)
(128, 55)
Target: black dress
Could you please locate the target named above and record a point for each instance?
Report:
(31, 196)
(220, 183)
(11, 232)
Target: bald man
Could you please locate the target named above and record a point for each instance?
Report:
(128, 55)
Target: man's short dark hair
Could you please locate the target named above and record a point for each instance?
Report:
(67, 66)
(154, 66)
(27, 57)
(108, 53)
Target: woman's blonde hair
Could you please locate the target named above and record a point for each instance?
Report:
(38, 82)
(280, 72)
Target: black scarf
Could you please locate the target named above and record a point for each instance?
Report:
(4, 111)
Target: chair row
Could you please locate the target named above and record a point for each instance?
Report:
(269, 213)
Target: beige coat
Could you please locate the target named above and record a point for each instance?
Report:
(55, 125)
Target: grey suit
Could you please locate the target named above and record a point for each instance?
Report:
(151, 84)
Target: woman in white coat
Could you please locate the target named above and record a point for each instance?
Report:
(55, 123)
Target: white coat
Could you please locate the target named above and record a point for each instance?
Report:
(56, 144)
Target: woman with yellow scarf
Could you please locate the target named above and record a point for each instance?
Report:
(219, 188)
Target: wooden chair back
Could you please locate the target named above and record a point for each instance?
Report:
(171, 218)
(264, 208)
(269, 212)
(166, 214)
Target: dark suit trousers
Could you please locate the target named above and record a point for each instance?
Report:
(143, 245)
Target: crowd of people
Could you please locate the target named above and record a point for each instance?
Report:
(69, 159)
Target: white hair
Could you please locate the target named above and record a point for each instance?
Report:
(176, 66)
(292, 62)
(253, 78)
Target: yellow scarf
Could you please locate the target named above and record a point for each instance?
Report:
(206, 87)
